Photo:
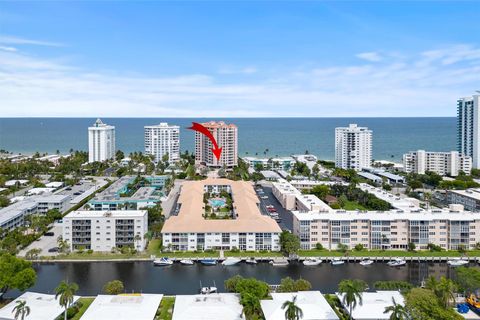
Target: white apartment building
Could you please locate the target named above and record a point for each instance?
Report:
(104, 230)
(292, 199)
(353, 147)
(387, 230)
(226, 136)
(101, 142)
(469, 199)
(281, 163)
(468, 127)
(163, 139)
(443, 163)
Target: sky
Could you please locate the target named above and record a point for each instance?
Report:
(237, 59)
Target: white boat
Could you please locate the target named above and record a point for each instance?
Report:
(397, 262)
(162, 262)
(208, 290)
(366, 262)
(457, 262)
(230, 261)
(312, 262)
(187, 262)
(251, 260)
(336, 262)
(279, 262)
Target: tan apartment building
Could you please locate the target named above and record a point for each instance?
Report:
(246, 228)
(226, 136)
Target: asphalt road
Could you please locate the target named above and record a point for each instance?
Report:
(285, 215)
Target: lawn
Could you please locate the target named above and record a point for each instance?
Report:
(155, 245)
(165, 310)
(86, 302)
(353, 205)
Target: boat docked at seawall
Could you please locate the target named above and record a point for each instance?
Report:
(208, 262)
(366, 262)
(208, 290)
(337, 262)
(187, 262)
(251, 260)
(161, 262)
(230, 261)
(457, 262)
(279, 262)
(312, 262)
(397, 262)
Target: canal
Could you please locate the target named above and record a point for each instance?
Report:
(180, 279)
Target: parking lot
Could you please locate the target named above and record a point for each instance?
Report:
(286, 222)
(45, 242)
(81, 190)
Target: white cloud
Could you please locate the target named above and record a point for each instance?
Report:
(16, 40)
(370, 56)
(230, 70)
(11, 49)
(423, 84)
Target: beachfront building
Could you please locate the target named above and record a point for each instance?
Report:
(163, 139)
(353, 147)
(443, 163)
(395, 229)
(105, 230)
(243, 228)
(468, 127)
(226, 136)
(101, 142)
(130, 193)
(277, 163)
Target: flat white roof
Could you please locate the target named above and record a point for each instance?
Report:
(110, 214)
(11, 183)
(313, 305)
(123, 307)
(42, 307)
(374, 304)
(218, 306)
(54, 184)
(469, 193)
(396, 201)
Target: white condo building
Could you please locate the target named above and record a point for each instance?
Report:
(101, 142)
(468, 127)
(226, 136)
(104, 230)
(442, 163)
(163, 139)
(353, 147)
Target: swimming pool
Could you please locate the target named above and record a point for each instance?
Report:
(217, 203)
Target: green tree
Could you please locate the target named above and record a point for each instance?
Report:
(468, 279)
(289, 243)
(113, 287)
(423, 304)
(292, 311)
(411, 246)
(119, 155)
(32, 254)
(15, 273)
(287, 285)
(251, 305)
(302, 285)
(396, 311)
(4, 201)
(321, 191)
(352, 293)
(21, 310)
(65, 292)
(190, 171)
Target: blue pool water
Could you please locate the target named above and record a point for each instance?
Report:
(217, 203)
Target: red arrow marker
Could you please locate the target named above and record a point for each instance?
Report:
(200, 128)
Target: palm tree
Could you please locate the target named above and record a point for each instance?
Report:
(137, 239)
(446, 289)
(352, 293)
(21, 310)
(66, 292)
(292, 311)
(397, 311)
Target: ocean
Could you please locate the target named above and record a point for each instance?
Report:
(281, 136)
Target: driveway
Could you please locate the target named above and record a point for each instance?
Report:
(45, 243)
(285, 215)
